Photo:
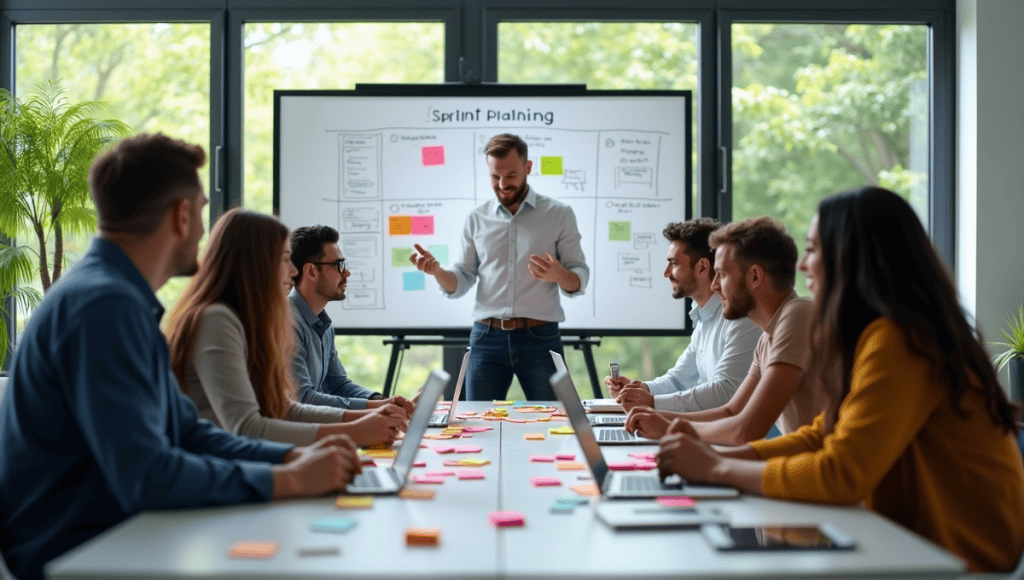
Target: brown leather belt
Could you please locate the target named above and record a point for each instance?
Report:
(513, 323)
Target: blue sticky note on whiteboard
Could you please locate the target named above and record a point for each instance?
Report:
(414, 281)
(336, 525)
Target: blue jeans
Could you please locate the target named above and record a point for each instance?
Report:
(498, 354)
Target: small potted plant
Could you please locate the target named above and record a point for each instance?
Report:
(1014, 355)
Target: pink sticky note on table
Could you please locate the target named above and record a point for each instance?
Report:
(422, 225)
(419, 463)
(642, 456)
(644, 465)
(506, 519)
(428, 479)
(676, 501)
(565, 456)
(543, 458)
(545, 481)
(438, 473)
(448, 449)
(471, 474)
(433, 155)
(476, 429)
(468, 449)
(621, 465)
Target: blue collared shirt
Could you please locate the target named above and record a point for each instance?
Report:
(496, 248)
(93, 426)
(316, 368)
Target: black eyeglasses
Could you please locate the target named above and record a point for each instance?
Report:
(340, 264)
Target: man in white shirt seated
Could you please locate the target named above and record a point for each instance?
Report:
(714, 364)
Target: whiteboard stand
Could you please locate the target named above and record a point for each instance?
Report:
(401, 343)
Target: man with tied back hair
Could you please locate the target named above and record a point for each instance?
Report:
(755, 269)
(93, 425)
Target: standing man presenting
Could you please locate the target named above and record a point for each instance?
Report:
(524, 248)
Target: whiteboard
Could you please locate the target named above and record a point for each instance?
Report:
(391, 170)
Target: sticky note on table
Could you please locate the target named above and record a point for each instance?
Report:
(619, 231)
(534, 436)
(570, 466)
(446, 449)
(586, 489)
(400, 225)
(565, 456)
(412, 281)
(422, 536)
(542, 458)
(505, 519)
(319, 551)
(621, 465)
(468, 449)
(428, 479)
(422, 225)
(475, 462)
(561, 431)
(471, 474)
(550, 165)
(354, 502)
(642, 456)
(254, 550)
(438, 473)
(562, 508)
(432, 155)
(416, 493)
(676, 501)
(334, 525)
(476, 429)
(541, 481)
(419, 463)
(644, 465)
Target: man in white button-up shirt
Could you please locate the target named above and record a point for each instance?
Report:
(714, 364)
(521, 250)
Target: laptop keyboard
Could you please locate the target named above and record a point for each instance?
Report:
(635, 483)
(366, 479)
(599, 419)
(439, 417)
(614, 435)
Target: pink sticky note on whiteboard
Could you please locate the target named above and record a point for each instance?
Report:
(422, 225)
(433, 155)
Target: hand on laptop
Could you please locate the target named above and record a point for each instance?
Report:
(396, 401)
(324, 467)
(683, 453)
(646, 422)
(380, 427)
(631, 397)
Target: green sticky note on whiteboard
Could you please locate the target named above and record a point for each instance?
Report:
(440, 253)
(550, 165)
(619, 231)
(400, 258)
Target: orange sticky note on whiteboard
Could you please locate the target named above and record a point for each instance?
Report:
(399, 225)
(254, 550)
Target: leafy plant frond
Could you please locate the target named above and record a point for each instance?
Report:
(1013, 338)
(17, 267)
(27, 298)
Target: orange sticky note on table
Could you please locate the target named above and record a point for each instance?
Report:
(586, 489)
(254, 550)
(416, 493)
(506, 519)
(570, 466)
(545, 481)
(534, 436)
(422, 536)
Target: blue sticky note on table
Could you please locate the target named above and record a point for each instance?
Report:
(413, 281)
(335, 525)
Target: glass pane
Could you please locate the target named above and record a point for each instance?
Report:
(285, 55)
(619, 56)
(821, 108)
(154, 77)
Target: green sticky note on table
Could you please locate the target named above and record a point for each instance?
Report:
(617, 231)
(400, 257)
(550, 165)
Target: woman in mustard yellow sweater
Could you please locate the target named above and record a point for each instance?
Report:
(919, 428)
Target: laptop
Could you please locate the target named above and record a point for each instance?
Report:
(622, 484)
(612, 419)
(441, 418)
(382, 480)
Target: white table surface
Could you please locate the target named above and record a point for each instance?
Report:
(194, 543)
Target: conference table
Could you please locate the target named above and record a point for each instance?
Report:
(569, 543)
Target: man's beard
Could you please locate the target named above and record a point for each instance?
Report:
(740, 304)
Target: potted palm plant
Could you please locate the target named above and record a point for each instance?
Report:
(46, 148)
(1013, 342)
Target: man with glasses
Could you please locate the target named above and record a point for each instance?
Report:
(318, 371)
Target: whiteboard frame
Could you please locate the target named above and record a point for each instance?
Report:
(496, 90)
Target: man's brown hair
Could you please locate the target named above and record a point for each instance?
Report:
(761, 241)
(694, 235)
(501, 145)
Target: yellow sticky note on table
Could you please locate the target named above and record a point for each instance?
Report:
(561, 431)
(475, 462)
(382, 453)
(255, 550)
(534, 436)
(354, 502)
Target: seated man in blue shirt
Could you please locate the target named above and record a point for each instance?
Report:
(93, 425)
(318, 371)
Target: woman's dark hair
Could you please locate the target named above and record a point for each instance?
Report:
(879, 262)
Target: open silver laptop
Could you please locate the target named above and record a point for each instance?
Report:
(381, 480)
(441, 418)
(616, 484)
(609, 419)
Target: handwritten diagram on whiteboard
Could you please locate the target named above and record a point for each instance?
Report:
(391, 172)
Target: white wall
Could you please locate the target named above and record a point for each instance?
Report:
(990, 164)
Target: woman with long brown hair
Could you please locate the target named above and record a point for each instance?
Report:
(918, 416)
(231, 342)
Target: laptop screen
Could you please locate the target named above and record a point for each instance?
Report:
(418, 423)
(458, 386)
(566, 393)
